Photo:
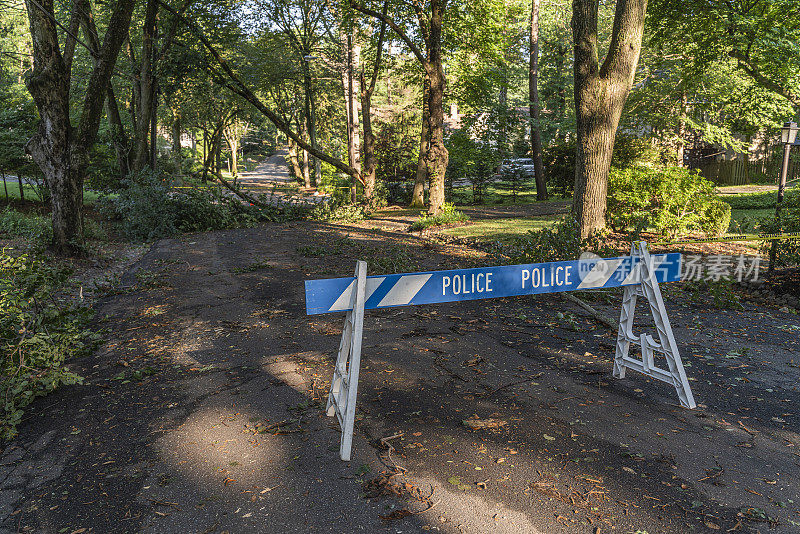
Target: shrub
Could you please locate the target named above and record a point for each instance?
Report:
(448, 215)
(558, 242)
(559, 167)
(338, 211)
(144, 207)
(787, 251)
(670, 200)
(629, 151)
(37, 336)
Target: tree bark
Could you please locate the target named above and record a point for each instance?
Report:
(437, 156)
(681, 133)
(154, 125)
(118, 137)
(21, 183)
(600, 95)
(294, 161)
(306, 171)
(146, 88)
(370, 162)
(204, 176)
(418, 194)
(310, 116)
(177, 157)
(533, 97)
(352, 53)
(430, 29)
(59, 149)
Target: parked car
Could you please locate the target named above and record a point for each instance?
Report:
(517, 164)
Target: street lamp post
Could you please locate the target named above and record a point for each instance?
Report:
(788, 137)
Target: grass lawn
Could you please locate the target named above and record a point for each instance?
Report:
(499, 229)
(89, 197)
(497, 194)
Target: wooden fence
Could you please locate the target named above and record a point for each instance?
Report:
(743, 172)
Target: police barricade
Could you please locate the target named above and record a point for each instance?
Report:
(639, 274)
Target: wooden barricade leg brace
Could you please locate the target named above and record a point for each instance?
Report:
(666, 345)
(344, 387)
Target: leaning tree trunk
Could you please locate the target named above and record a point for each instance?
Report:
(600, 95)
(418, 195)
(533, 92)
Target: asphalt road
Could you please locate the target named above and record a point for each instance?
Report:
(204, 410)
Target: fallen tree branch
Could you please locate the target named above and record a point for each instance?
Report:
(239, 87)
(611, 323)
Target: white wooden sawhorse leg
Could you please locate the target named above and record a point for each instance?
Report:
(344, 386)
(666, 344)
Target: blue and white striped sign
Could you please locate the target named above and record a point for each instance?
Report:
(335, 294)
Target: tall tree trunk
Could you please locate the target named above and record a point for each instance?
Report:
(418, 194)
(205, 155)
(216, 161)
(305, 157)
(370, 162)
(118, 137)
(154, 125)
(600, 95)
(177, 157)
(233, 144)
(437, 156)
(681, 133)
(59, 149)
(352, 53)
(294, 161)
(533, 97)
(21, 183)
(310, 116)
(146, 88)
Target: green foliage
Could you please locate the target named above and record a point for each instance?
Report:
(787, 251)
(396, 148)
(471, 161)
(720, 292)
(37, 335)
(448, 215)
(559, 167)
(558, 242)
(670, 200)
(630, 151)
(751, 201)
(199, 210)
(143, 207)
(148, 208)
(339, 209)
(33, 227)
